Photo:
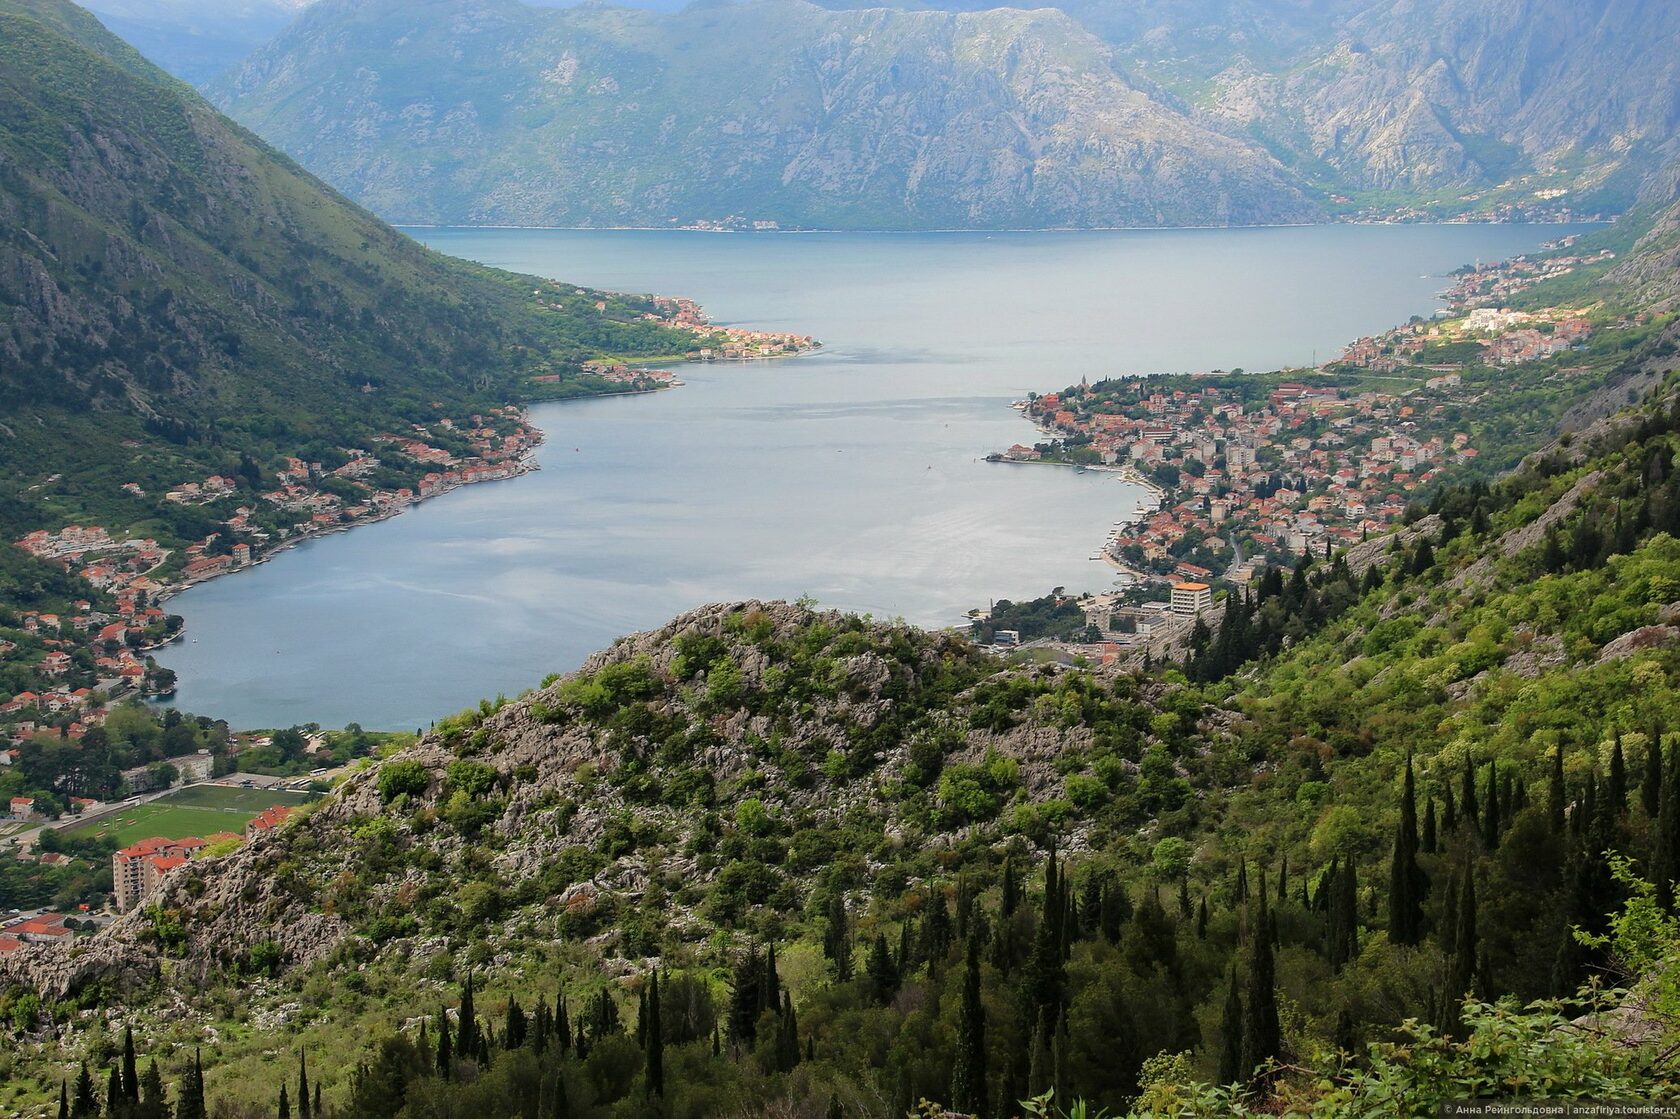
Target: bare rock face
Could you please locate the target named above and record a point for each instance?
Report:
(1637, 641)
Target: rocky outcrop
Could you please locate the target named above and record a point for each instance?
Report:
(629, 771)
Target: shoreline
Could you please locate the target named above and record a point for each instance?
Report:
(403, 226)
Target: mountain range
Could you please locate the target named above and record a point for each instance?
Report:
(1095, 114)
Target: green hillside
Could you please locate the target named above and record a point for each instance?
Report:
(876, 865)
(174, 293)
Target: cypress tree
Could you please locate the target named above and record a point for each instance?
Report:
(445, 1047)
(86, 1103)
(1617, 789)
(1449, 814)
(1406, 879)
(1490, 810)
(563, 1023)
(130, 1073)
(835, 1111)
(1462, 977)
(1283, 879)
(1231, 1069)
(1665, 860)
(515, 1026)
(744, 1006)
(968, 1077)
(1116, 910)
(154, 1098)
(285, 1111)
(1184, 907)
(1262, 1039)
(1428, 842)
(466, 1030)
(63, 1099)
(1202, 919)
(1650, 786)
(1467, 794)
(316, 1106)
(883, 975)
(1041, 1065)
(114, 1098)
(655, 1040)
(303, 1086)
(837, 942)
(1344, 915)
(559, 1107)
(192, 1091)
(1556, 794)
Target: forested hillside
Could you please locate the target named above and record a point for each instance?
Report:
(173, 293)
(865, 865)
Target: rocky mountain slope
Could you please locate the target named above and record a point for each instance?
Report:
(1442, 95)
(487, 111)
(920, 116)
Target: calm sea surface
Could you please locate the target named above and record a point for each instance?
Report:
(854, 475)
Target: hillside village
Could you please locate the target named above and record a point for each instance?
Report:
(69, 666)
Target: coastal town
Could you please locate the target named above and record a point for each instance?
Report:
(60, 670)
(1242, 472)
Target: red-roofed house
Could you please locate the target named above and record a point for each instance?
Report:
(268, 820)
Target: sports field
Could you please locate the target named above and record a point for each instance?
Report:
(200, 810)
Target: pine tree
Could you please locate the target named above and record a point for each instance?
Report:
(303, 1086)
(655, 1040)
(1231, 1070)
(1406, 879)
(968, 1078)
(130, 1071)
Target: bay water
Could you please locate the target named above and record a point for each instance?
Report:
(854, 475)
